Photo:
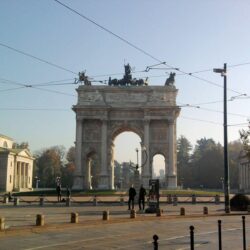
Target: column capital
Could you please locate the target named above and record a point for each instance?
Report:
(79, 119)
(171, 121)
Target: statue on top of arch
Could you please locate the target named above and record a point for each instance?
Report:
(83, 78)
(127, 79)
(170, 80)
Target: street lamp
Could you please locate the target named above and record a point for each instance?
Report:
(137, 165)
(223, 73)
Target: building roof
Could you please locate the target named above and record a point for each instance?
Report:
(6, 137)
(16, 151)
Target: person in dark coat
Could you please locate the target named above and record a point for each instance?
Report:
(142, 194)
(68, 192)
(59, 192)
(132, 194)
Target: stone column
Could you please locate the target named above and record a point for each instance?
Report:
(88, 176)
(104, 177)
(247, 182)
(15, 175)
(111, 167)
(240, 176)
(24, 175)
(20, 175)
(146, 175)
(171, 177)
(78, 175)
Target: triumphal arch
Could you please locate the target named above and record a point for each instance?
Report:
(103, 112)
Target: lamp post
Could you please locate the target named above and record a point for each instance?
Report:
(137, 165)
(136, 171)
(223, 73)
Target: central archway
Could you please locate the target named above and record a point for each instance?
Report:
(104, 112)
(127, 151)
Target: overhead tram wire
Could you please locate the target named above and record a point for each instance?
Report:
(37, 58)
(34, 109)
(34, 87)
(109, 31)
(182, 105)
(136, 47)
(7, 90)
(200, 120)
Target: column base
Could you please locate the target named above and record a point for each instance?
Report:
(172, 181)
(104, 182)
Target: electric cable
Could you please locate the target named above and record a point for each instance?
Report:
(107, 30)
(37, 58)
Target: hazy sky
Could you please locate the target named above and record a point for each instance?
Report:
(190, 35)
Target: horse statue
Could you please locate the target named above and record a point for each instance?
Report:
(170, 80)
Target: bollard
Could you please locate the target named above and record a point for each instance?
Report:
(193, 199)
(205, 210)
(74, 218)
(68, 202)
(182, 211)
(6, 199)
(244, 232)
(95, 201)
(169, 199)
(40, 220)
(191, 237)
(175, 200)
(158, 212)
(16, 201)
(217, 199)
(105, 215)
(121, 201)
(2, 223)
(155, 242)
(41, 201)
(132, 214)
(219, 234)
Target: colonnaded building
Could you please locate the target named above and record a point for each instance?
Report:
(103, 112)
(16, 166)
(244, 173)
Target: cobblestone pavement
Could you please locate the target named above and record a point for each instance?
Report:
(120, 232)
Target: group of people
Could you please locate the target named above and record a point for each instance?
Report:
(141, 199)
(59, 192)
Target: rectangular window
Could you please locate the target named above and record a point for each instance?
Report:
(10, 178)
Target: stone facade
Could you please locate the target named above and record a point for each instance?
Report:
(16, 167)
(244, 174)
(103, 112)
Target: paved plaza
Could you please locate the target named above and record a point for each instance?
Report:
(120, 232)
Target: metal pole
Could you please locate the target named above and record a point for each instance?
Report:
(244, 232)
(219, 234)
(137, 163)
(191, 237)
(226, 168)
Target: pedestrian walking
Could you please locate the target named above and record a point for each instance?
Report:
(68, 192)
(141, 201)
(131, 199)
(59, 192)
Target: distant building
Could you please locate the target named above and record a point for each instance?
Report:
(162, 173)
(16, 166)
(244, 173)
